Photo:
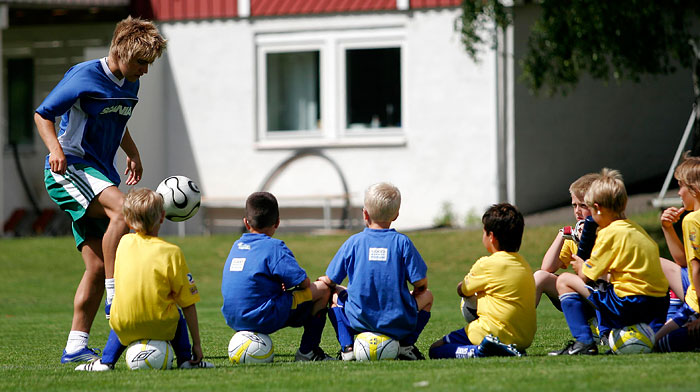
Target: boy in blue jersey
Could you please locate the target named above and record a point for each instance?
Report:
(265, 289)
(379, 262)
(95, 99)
(505, 293)
(635, 291)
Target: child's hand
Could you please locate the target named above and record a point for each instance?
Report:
(576, 263)
(670, 216)
(196, 353)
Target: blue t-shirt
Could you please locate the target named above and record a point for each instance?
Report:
(378, 264)
(94, 107)
(252, 281)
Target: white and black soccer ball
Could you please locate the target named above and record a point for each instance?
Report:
(371, 346)
(181, 198)
(250, 347)
(634, 339)
(149, 354)
(468, 307)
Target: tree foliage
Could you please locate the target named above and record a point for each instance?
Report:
(620, 39)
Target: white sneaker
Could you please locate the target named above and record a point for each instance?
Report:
(95, 365)
(199, 365)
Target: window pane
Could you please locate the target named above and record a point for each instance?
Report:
(373, 88)
(293, 91)
(20, 93)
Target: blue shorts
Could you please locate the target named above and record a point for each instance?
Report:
(617, 312)
(458, 336)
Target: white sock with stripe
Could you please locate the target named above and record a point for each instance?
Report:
(77, 340)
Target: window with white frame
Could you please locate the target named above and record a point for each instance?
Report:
(330, 88)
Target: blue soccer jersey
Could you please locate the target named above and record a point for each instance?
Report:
(378, 265)
(251, 285)
(94, 107)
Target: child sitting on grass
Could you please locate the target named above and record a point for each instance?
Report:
(265, 289)
(636, 290)
(505, 290)
(681, 330)
(151, 281)
(379, 262)
(564, 246)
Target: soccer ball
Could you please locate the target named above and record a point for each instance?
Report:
(635, 339)
(468, 307)
(370, 346)
(250, 347)
(181, 196)
(149, 354)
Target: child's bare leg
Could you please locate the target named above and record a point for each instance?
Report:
(89, 292)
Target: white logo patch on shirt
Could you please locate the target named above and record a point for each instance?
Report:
(378, 254)
(243, 246)
(237, 264)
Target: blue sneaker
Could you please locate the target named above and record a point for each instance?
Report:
(491, 346)
(108, 307)
(83, 355)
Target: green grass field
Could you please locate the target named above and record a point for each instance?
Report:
(40, 276)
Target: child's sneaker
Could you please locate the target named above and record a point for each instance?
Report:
(491, 346)
(83, 355)
(198, 365)
(346, 354)
(410, 353)
(577, 348)
(95, 365)
(316, 354)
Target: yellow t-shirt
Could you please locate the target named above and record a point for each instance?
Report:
(151, 280)
(626, 251)
(691, 243)
(505, 292)
(568, 249)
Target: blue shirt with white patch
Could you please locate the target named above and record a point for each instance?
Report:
(94, 107)
(252, 281)
(378, 264)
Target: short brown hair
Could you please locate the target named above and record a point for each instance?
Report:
(142, 209)
(608, 191)
(261, 210)
(688, 172)
(136, 38)
(579, 187)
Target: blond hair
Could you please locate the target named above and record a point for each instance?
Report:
(688, 172)
(579, 187)
(608, 191)
(382, 202)
(142, 209)
(135, 38)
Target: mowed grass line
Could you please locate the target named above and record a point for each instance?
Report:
(40, 276)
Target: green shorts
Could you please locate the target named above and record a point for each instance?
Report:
(73, 192)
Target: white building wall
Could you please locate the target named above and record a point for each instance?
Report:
(448, 152)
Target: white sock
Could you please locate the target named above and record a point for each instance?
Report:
(109, 286)
(77, 340)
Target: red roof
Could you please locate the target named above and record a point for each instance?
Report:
(297, 7)
(192, 9)
(204, 9)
